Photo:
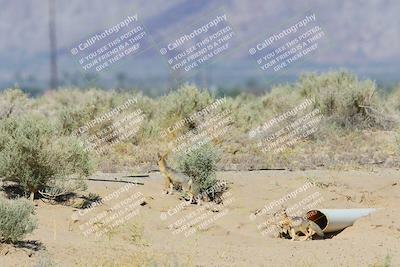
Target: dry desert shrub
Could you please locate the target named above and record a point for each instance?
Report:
(201, 165)
(13, 102)
(36, 156)
(181, 104)
(346, 101)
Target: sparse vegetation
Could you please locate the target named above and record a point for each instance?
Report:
(16, 219)
(351, 108)
(385, 263)
(135, 234)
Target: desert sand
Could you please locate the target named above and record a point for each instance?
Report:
(232, 236)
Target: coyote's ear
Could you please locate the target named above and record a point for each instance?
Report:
(159, 155)
(165, 154)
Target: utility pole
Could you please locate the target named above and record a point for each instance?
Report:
(53, 45)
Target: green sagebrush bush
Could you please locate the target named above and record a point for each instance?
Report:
(200, 164)
(344, 100)
(16, 219)
(94, 104)
(183, 103)
(87, 105)
(34, 155)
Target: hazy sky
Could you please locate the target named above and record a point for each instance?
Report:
(363, 36)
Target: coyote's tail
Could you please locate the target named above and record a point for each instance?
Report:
(316, 228)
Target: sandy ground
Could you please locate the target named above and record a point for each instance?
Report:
(224, 235)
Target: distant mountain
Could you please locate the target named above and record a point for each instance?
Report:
(362, 36)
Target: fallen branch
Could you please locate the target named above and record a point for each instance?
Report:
(114, 181)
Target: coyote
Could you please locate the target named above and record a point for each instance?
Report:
(174, 179)
(296, 224)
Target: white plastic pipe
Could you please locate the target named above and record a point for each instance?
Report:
(332, 220)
